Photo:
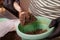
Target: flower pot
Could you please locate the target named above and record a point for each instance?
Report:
(43, 24)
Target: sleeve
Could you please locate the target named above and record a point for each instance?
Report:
(8, 4)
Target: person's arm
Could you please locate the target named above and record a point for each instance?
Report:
(25, 4)
(24, 15)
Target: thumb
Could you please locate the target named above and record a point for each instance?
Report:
(17, 7)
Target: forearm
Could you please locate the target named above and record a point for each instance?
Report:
(24, 4)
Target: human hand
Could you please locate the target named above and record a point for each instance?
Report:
(24, 16)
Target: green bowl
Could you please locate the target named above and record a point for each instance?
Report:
(41, 23)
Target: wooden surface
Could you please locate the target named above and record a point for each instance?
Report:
(12, 35)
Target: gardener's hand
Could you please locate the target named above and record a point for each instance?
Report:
(55, 23)
(24, 16)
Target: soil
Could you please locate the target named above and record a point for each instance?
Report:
(39, 31)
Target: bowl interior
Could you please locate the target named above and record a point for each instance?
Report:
(41, 23)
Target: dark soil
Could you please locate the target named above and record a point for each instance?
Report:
(39, 31)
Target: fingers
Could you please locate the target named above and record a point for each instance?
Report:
(17, 7)
(22, 18)
(26, 18)
(29, 18)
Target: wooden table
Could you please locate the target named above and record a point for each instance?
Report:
(12, 35)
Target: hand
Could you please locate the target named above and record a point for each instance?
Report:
(24, 16)
(55, 23)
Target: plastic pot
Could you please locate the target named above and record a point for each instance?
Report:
(41, 23)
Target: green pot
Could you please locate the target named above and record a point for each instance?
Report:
(41, 23)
